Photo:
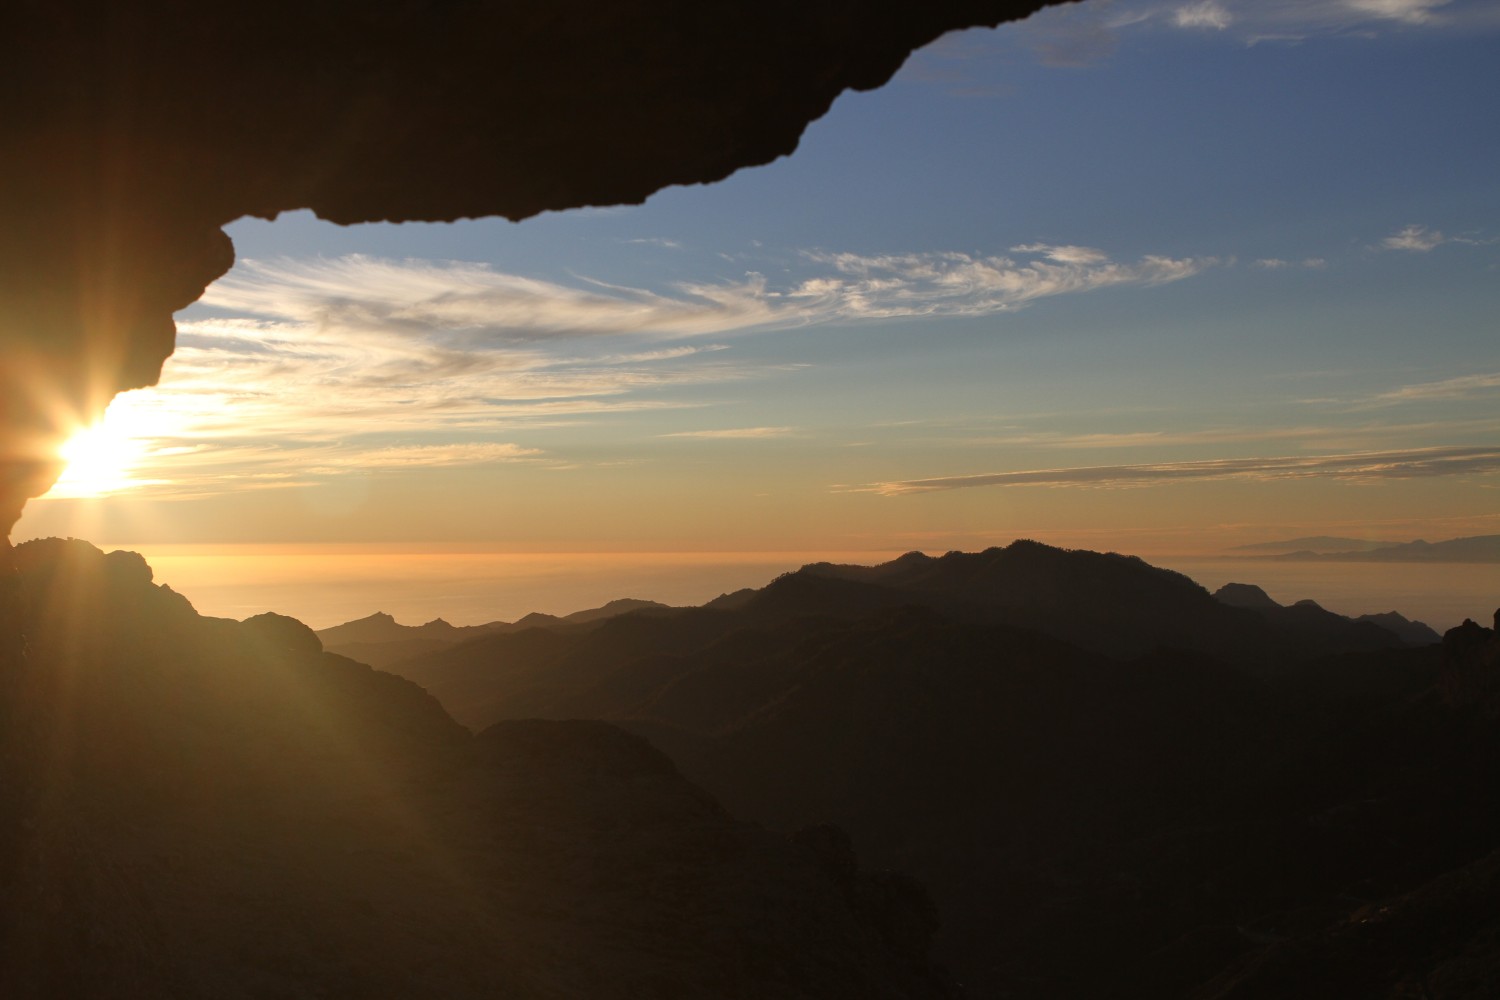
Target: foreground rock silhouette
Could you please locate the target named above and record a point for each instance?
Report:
(204, 807)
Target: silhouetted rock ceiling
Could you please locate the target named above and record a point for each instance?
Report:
(133, 132)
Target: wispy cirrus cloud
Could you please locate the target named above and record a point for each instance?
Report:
(473, 301)
(301, 381)
(465, 305)
(319, 345)
(1359, 466)
(960, 284)
(363, 363)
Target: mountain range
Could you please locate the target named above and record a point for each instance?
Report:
(1062, 773)
(1113, 782)
(378, 639)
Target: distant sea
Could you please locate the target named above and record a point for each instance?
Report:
(333, 584)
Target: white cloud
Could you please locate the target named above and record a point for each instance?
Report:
(1360, 466)
(1082, 34)
(1420, 239)
(1064, 254)
(1204, 14)
(1409, 11)
(1416, 238)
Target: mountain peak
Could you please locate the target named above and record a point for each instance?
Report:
(1244, 595)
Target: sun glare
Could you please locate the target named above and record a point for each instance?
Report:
(101, 458)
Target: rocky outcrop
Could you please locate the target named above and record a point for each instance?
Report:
(1471, 666)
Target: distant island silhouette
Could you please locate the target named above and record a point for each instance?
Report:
(1473, 549)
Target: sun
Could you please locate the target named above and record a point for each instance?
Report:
(101, 459)
(98, 463)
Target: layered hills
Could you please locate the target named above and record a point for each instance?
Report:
(379, 639)
(206, 807)
(1113, 782)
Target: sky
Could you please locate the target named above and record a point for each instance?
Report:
(1147, 276)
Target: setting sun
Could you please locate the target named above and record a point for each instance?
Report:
(105, 458)
(99, 462)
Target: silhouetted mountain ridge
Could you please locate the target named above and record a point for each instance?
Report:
(1311, 625)
(379, 640)
(1091, 762)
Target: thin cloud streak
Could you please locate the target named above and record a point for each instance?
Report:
(1278, 264)
(1331, 435)
(1359, 467)
(734, 433)
(1460, 387)
(436, 455)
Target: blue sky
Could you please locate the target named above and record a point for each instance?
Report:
(1183, 274)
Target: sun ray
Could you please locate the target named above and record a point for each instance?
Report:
(106, 457)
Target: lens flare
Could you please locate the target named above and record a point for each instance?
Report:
(106, 458)
(99, 460)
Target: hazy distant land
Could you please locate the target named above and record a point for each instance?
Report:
(1473, 549)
